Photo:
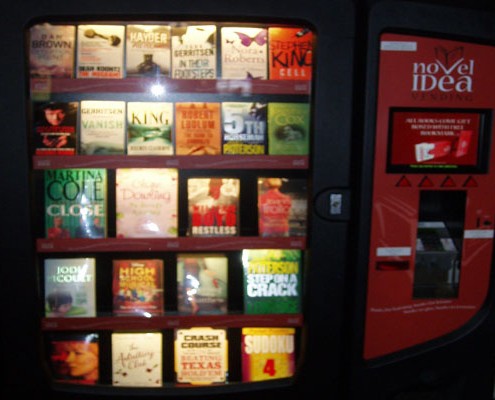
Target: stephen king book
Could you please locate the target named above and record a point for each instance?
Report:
(213, 206)
(290, 53)
(202, 283)
(138, 287)
(75, 203)
(272, 281)
(201, 356)
(267, 353)
(137, 359)
(70, 287)
(198, 129)
(148, 50)
(150, 128)
(55, 128)
(194, 52)
(100, 51)
(146, 202)
(244, 128)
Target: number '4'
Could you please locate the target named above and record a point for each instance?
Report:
(270, 367)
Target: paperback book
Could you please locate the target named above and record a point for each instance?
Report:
(244, 128)
(267, 353)
(100, 51)
(55, 128)
(148, 50)
(149, 128)
(70, 288)
(73, 358)
(103, 129)
(272, 281)
(201, 356)
(52, 50)
(194, 52)
(202, 283)
(137, 359)
(288, 128)
(213, 206)
(138, 287)
(75, 203)
(146, 202)
(282, 206)
(244, 53)
(198, 129)
(290, 53)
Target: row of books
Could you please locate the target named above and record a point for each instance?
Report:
(271, 281)
(200, 356)
(146, 204)
(97, 127)
(179, 51)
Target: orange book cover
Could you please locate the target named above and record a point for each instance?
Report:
(290, 53)
(198, 129)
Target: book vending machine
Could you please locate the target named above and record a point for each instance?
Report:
(426, 251)
(181, 175)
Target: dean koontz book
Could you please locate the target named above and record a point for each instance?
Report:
(288, 128)
(148, 50)
(103, 127)
(52, 50)
(244, 128)
(267, 353)
(100, 51)
(150, 128)
(146, 202)
(202, 283)
(138, 287)
(272, 281)
(75, 203)
(201, 355)
(244, 52)
(70, 287)
(213, 206)
(137, 359)
(194, 52)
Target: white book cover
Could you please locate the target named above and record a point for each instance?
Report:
(100, 51)
(103, 127)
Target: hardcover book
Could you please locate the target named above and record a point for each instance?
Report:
(244, 128)
(244, 53)
(213, 206)
(137, 359)
(272, 281)
(146, 201)
(197, 129)
(282, 206)
(149, 128)
(201, 355)
(148, 50)
(290, 53)
(138, 287)
(202, 283)
(55, 128)
(288, 128)
(75, 203)
(70, 289)
(74, 358)
(52, 50)
(267, 353)
(100, 51)
(103, 128)
(194, 52)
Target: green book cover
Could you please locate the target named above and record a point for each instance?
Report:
(75, 203)
(272, 281)
(288, 128)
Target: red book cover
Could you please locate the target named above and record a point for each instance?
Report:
(138, 287)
